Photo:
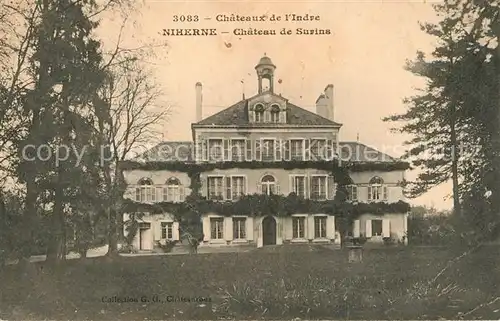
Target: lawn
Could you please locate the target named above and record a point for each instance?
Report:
(279, 283)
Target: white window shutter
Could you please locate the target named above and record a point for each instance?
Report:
(307, 186)
(330, 185)
(385, 192)
(204, 148)
(368, 230)
(152, 192)
(277, 149)
(159, 194)
(229, 194)
(369, 193)
(226, 154)
(258, 149)
(291, 184)
(386, 228)
(248, 155)
(356, 228)
(259, 188)
(182, 192)
(307, 151)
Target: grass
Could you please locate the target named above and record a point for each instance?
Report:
(279, 283)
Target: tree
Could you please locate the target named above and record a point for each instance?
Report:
(129, 116)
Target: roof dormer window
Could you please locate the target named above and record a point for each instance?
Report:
(275, 114)
(259, 113)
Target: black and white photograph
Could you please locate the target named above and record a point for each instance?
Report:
(249, 160)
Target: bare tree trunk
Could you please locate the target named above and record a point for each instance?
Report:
(454, 161)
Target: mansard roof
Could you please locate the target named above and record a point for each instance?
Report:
(182, 151)
(237, 116)
(168, 151)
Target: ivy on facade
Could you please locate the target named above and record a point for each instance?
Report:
(260, 205)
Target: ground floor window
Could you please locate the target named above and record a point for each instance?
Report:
(319, 226)
(217, 228)
(167, 230)
(299, 227)
(239, 228)
(376, 227)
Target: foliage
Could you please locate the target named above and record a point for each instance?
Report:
(259, 205)
(167, 246)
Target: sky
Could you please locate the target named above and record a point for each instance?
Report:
(363, 57)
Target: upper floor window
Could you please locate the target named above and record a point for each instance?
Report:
(297, 149)
(268, 149)
(145, 192)
(268, 185)
(318, 187)
(215, 149)
(215, 187)
(235, 187)
(377, 191)
(352, 193)
(275, 114)
(259, 113)
(173, 191)
(237, 149)
(318, 149)
(299, 185)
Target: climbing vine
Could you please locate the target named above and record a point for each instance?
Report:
(259, 205)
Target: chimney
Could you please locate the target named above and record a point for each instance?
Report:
(321, 106)
(324, 103)
(199, 101)
(329, 101)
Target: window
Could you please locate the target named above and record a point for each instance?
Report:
(268, 147)
(215, 188)
(318, 149)
(237, 149)
(275, 114)
(377, 191)
(167, 230)
(352, 193)
(299, 185)
(172, 192)
(299, 227)
(297, 149)
(268, 184)
(259, 113)
(216, 228)
(319, 227)
(376, 227)
(145, 192)
(239, 228)
(235, 187)
(215, 150)
(318, 187)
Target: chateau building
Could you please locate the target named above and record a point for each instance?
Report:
(262, 131)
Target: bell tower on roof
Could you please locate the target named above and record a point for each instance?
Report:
(265, 70)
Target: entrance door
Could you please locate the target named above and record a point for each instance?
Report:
(268, 231)
(145, 241)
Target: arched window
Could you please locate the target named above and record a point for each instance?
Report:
(259, 113)
(173, 191)
(377, 191)
(275, 114)
(268, 185)
(145, 191)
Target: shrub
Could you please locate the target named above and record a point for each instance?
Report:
(168, 246)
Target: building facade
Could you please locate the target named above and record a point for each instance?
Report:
(262, 131)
